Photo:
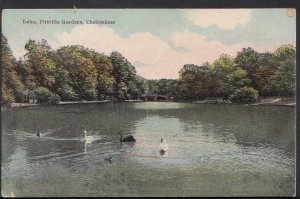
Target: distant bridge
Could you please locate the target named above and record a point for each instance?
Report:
(153, 97)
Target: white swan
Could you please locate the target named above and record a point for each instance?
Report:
(88, 139)
(163, 147)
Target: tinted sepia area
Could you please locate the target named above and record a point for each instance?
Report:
(148, 102)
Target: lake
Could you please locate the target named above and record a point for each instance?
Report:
(214, 150)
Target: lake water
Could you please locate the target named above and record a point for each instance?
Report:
(214, 150)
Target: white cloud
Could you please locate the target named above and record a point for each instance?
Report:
(160, 60)
(223, 18)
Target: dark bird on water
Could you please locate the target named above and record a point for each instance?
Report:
(38, 133)
(129, 138)
(109, 159)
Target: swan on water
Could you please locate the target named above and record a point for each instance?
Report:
(88, 139)
(163, 147)
(129, 138)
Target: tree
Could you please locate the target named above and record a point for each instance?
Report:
(166, 87)
(77, 71)
(193, 81)
(264, 80)
(127, 84)
(285, 60)
(39, 64)
(63, 85)
(151, 87)
(220, 76)
(105, 80)
(120, 73)
(248, 59)
(140, 85)
(237, 79)
(45, 96)
(245, 95)
(11, 81)
(265, 59)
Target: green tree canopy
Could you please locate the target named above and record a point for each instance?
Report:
(127, 84)
(193, 81)
(39, 64)
(77, 71)
(11, 81)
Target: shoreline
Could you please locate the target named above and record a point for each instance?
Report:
(272, 101)
(84, 102)
(269, 101)
(276, 101)
(23, 105)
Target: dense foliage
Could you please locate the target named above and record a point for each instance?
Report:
(68, 73)
(244, 95)
(45, 96)
(11, 81)
(78, 73)
(164, 87)
(250, 74)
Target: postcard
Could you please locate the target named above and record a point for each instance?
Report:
(148, 102)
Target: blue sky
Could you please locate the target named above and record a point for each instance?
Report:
(156, 41)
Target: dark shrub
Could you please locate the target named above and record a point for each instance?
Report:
(45, 96)
(245, 95)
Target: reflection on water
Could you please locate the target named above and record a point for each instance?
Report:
(164, 153)
(242, 150)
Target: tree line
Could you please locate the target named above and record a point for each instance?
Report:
(69, 73)
(240, 79)
(73, 73)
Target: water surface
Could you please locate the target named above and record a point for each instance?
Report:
(214, 150)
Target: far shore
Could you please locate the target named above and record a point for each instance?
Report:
(270, 101)
(83, 102)
(276, 101)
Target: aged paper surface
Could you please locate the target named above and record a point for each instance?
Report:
(148, 102)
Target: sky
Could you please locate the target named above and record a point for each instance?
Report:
(158, 42)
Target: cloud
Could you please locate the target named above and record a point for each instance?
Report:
(156, 58)
(223, 18)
